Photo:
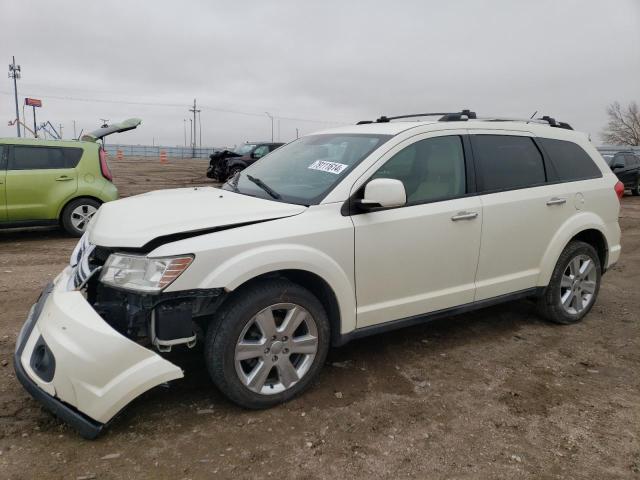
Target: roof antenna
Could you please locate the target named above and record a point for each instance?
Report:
(534, 114)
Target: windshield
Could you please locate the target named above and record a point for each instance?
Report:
(245, 149)
(305, 170)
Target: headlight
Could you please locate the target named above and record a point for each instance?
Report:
(141, 273)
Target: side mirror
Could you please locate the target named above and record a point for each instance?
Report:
(383, 193)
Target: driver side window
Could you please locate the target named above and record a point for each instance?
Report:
(431, 170)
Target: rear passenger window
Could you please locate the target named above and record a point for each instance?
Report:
(507, 162)
(570, 161)
(41, 158)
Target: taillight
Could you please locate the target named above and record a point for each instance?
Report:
(619, 188)
(104, 166)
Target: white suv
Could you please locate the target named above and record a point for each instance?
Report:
(337, 235)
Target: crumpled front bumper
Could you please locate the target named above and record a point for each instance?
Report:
(96, 370)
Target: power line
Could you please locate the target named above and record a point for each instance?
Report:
(178, 105)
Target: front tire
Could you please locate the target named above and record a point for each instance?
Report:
(574, 285)
(269, 344)
(76, 215)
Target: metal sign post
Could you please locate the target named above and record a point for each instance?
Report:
(34, 102)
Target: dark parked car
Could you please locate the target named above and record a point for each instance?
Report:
(225, 164)
(626, 166)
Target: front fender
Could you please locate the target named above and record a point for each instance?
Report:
(272, 258)
(573, 226)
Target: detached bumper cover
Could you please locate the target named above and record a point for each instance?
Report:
(84, 425)
(97, 370)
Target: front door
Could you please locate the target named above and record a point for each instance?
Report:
(422, 257)
(38, 180)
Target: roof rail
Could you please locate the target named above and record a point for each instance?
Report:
(469, 115)
(445, 116)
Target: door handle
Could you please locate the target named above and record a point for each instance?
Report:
(63, 178)
(556, 201)
(464, 216)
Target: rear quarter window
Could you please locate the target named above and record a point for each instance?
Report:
(569, 160)
(26, 157)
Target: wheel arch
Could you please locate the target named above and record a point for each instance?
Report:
(65, 204)
(587, 228)
(312, 282)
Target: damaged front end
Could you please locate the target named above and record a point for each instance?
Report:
(89, 348)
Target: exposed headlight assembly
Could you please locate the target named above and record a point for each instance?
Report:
(141, 273)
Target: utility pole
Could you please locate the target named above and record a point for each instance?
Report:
(74, 130)
(200, 126)
(60, 131)
(14, 72)
(194, 126)
(184, 125)
(190, 132)
(297, 133)
(271, 117)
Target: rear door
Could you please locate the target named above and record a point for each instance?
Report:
(3, 173)
(39, 180)
(521, 211)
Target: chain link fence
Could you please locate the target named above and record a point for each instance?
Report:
(153, 151)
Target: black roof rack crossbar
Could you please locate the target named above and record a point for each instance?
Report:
(553, 123)
(446, 116)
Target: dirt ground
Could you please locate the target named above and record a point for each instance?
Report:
(492, 394)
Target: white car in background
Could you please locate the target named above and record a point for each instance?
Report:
(334, 236)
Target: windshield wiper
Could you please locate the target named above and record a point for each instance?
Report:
(264, 186)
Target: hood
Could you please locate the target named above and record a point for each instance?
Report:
(135, 221)
(102, 132)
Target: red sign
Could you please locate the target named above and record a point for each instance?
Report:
(33, 102)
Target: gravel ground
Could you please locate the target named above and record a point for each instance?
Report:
(492, 394)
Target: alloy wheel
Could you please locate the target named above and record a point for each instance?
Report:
(578, 284)
(276, 348)
(81, 215)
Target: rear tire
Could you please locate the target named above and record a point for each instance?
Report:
(574, 285)
(269, 343)
(76, 215)
(636, 190)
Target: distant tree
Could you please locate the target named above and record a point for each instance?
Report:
(624, 125)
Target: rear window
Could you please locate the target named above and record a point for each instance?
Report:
(632, 160)
(569, 160)
(27, 157)
(507, 162)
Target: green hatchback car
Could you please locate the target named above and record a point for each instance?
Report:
(55, 182)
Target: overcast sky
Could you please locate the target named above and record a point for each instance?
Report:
(314, 64)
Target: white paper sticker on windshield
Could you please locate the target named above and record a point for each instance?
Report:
(331, 167)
